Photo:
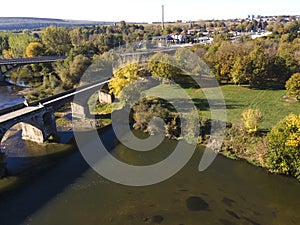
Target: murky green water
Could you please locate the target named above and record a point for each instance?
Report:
(228, 192)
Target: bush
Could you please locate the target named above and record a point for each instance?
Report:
(283, 154)
(293, 85)
(239, 144)
(251, 119)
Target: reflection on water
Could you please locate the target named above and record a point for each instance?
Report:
(228, 192)
(23, 154)
(8, 96)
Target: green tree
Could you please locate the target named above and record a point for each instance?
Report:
(56, 40)
(287, 52)
(18, 44)
(3, 43)
(71, 71)
(225, 56)
(257, 66)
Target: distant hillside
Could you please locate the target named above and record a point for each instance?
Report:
(21, 23)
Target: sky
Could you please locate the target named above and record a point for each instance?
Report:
(146, 10)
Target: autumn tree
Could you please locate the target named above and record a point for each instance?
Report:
(34, 49)
(251, 119)
(293, 85)
(163, 66)
(283, 154)
(123, 77)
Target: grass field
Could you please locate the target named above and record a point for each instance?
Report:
(239, 98)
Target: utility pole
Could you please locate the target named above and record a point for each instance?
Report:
(163, 17)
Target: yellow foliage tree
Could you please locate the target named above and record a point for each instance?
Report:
(123, 77)
(251, 119)
(34, 49)
(283, 154)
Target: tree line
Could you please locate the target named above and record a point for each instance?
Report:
(266, 62)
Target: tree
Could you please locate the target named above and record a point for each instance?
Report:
(3, 43)
(251, 119)
(293, 85)
(257, 66)
(18, 44)
(163, 66)
(283, 154)
(70, 71)
(278, 71)
(238, 70)
(226, 57)
(123, 77)
(188, 61)
(34, 49)
(56, 40)
(287, 51)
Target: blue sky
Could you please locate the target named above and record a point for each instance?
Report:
(147, 10)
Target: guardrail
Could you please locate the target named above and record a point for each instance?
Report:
(42, 59)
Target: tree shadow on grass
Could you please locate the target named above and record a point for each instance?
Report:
(204, 105)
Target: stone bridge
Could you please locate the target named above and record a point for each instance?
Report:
(37, 119)
(37, 122)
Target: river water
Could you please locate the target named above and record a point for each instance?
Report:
(67, 192)
(8, 95)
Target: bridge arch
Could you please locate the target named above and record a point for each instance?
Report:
(30, 131)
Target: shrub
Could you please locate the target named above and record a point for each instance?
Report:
(293, 85)
(242, 145)
(283, 154)
(251, 119)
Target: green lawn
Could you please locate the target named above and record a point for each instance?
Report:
(239, 98)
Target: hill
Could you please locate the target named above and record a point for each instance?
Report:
(21, 23)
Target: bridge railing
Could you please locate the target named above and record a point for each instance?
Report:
(41, 59)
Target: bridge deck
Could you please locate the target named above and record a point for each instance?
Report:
(18, 113)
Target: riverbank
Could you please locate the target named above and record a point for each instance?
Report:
(238, 144)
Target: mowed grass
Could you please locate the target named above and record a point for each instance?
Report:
(239, 98)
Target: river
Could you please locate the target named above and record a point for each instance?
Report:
(8, 95)
(67, 191)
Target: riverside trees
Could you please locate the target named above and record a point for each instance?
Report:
(264, 63)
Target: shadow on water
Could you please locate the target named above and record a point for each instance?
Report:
(39, 186)
(230, 192)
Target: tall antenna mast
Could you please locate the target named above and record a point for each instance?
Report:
(163, 17)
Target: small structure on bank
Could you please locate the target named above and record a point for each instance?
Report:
(105, 96)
